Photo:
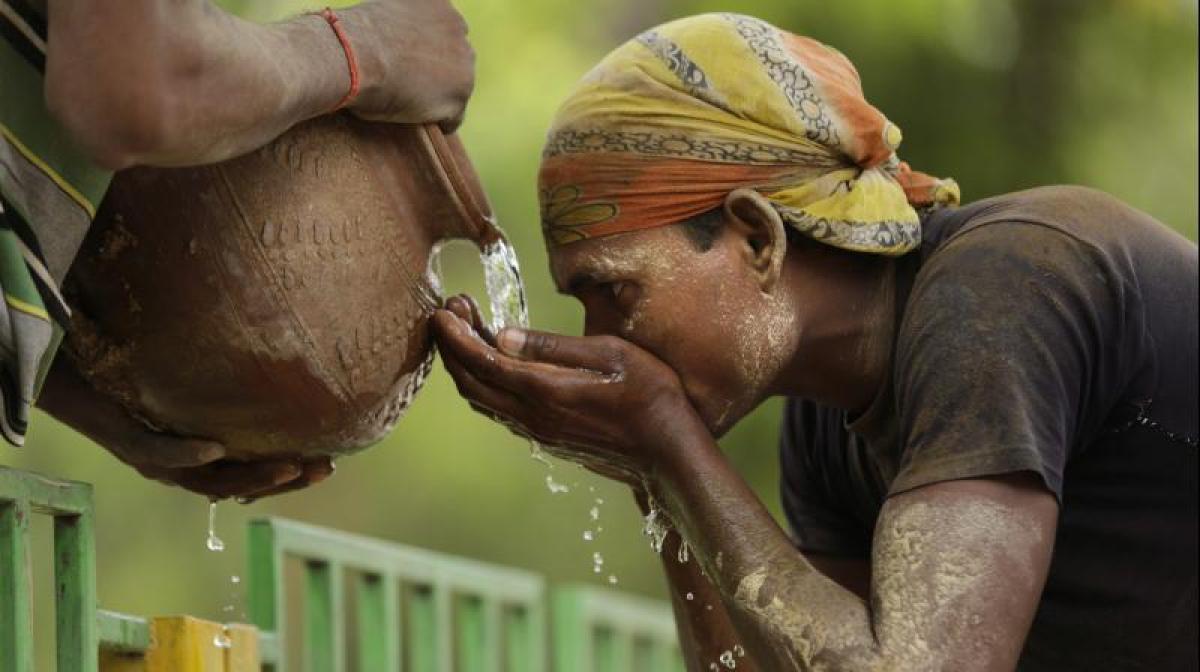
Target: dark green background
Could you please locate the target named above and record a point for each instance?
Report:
(999, 94)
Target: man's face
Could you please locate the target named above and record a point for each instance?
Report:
(702, 312)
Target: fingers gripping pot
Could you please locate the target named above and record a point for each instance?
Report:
(277, 302)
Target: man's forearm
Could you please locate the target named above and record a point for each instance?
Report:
(957, 570)
(786, 613)
(705, 631)
(182, 82)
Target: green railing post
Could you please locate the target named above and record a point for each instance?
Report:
(75, 580)
(16, 628)
(378, 630)
(70, 503)
(422, 636)
(517, 652)
(319, 623)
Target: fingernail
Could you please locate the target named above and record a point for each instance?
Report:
(511, 340)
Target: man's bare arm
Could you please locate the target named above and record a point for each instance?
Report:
(705, 628)
(179, 82)
(957, 573)
(957, 567)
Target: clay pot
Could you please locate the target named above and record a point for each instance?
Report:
(277, 302)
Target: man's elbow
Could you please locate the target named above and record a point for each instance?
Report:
(118, 125)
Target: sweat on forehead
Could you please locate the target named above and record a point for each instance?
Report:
(660, 251)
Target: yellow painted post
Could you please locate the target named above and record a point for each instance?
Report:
(242, 655)
(184, 644)
(188, 644)
(114, 661)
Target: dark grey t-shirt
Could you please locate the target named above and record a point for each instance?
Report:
(1051, 331)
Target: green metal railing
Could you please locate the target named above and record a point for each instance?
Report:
(412, 609)
(328, 601)
(21, 496)
(604, 631)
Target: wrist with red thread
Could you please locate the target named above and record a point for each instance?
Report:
(335, 24)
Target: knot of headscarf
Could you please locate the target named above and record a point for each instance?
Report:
(669, 123)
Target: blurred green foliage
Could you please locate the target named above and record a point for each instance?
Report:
(999, 94)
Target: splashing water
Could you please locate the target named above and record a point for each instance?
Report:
(682, 556)
(727, 660)
(555, 487)
(507, 302)
(539, 455)
(597, 562)
(506, 291)
(213, 542)
(655, 527)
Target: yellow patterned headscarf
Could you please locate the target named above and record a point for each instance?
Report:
(673, 120)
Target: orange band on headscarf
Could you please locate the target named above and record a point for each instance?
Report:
(671, 122)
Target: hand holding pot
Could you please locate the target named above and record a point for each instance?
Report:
(417, 63)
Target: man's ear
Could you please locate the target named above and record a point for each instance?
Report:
(751, 216)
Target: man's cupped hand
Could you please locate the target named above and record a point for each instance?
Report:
(600, 401)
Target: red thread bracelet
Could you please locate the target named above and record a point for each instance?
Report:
(351, 60)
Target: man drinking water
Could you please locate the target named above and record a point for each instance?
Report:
(989, 451)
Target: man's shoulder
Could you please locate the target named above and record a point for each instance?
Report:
(1067, 214)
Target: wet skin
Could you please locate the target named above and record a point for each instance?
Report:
(180, 83)
(678, 345)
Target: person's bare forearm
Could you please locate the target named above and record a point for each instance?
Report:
(742, 549)
(177, 82)
(705, 631)
(958, 568)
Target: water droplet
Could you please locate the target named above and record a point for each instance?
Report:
(597, 562)
(691, 596)
(727, 660)
(555, 487)
(682, 556)
(714, 666)
(221, 640)
(739, 651)
(235, 579)
(612, 579)
(213, 542)
(588, 535)
(594, 514)
(655, 526)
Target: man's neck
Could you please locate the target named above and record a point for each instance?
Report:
(845, 349)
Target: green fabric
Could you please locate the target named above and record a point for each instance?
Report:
(23, 113)
(50, 191)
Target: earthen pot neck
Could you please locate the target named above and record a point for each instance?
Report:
(453, 168)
